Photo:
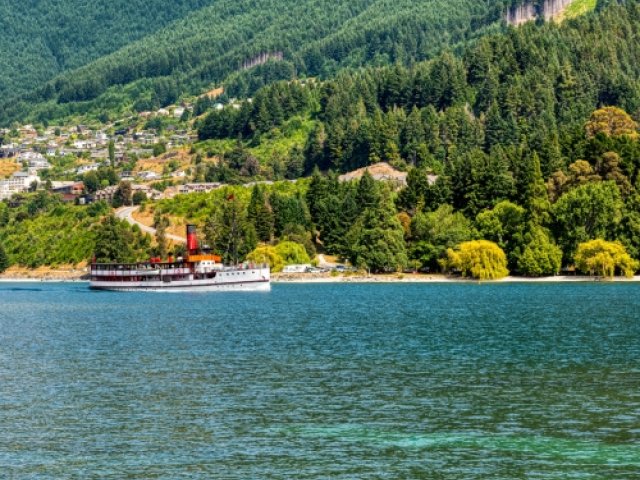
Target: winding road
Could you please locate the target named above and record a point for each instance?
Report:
(126, 213)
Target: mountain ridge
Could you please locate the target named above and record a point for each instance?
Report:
(317, 37)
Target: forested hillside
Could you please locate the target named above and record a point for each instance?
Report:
(40, 39)
(521, 146)
(212, 44)
(533, 88)
(527, 132)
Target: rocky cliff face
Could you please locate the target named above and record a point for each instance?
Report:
(520, 14)
(526, 12)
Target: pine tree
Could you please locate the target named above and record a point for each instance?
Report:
(536, 196)
(114, 242)
(367, 195)
(112, 153)
(260, 214)
(237, 235)
(413, 138)
(376, 240)
(317, 192)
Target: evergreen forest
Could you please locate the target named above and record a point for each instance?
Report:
(528, 139)
(128, 65)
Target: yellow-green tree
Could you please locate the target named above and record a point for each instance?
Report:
(611, 121)
(479, 259)
(602, 258)
(292, 253)
(267, 254)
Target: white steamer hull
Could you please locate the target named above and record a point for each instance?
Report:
(247, 281)
(194, 286)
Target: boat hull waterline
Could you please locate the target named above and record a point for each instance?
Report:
(184, 286)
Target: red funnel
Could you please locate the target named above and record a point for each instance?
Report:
(192, 239)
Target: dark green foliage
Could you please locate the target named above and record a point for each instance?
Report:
(479, 118)
(112, 153)
(41, 39)
(269, 109)
(123, 195)
(4, 259)
(593, 210)
(244, 43)
(478, 181)
(229, 231)
(91, 182)
(289, 212)
(367, 195)
(376, 239)
(434, 232)
(116, 242)
(139, 197)
(161, 223)
(260, 215)
(159, 149)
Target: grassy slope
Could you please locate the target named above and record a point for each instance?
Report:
(577, 8)
(278, 143)
(198, 207)
(57, 237)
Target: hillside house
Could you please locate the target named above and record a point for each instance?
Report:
(148, 175)
(70, 191)
(106, 194)
(19, 182)
(91, 167)
(75, 188)
(34, 160)
(198, 187)
(9, 151)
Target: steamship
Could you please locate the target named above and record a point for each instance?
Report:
(199, 271)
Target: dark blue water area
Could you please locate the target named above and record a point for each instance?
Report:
(322, 381)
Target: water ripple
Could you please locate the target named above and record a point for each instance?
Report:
(322, 382)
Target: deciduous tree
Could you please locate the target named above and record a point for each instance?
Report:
(478, 259)
(611, 121)
(602, 258)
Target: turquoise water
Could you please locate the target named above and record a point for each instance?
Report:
(397, 381)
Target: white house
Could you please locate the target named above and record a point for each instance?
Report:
(197, 187)
(18, 183)
(91, 167)
(303, 268)
(148, 175)
(34, 160)
(178, 112)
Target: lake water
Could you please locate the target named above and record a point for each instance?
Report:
(369, 381)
